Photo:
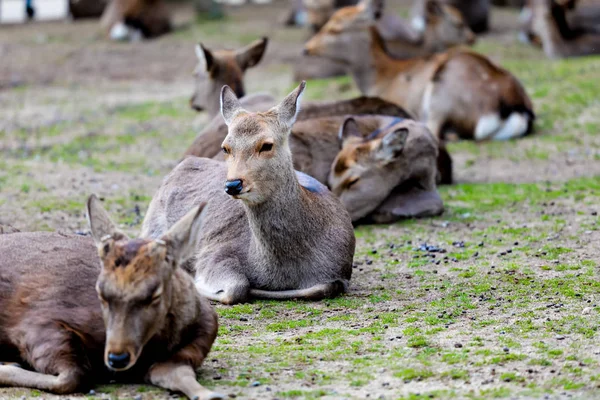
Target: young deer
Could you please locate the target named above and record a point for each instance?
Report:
(389, 174)
(135, 19)
(558, 39)
(456, 90)
(82, 311)
(273, 233)
(218, 68)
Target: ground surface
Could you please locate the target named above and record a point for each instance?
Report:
(497, 298)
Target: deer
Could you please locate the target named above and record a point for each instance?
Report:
(222, 67)
(550, 26)
(475, 13)
(133, 20)
(270, 232)
(82, 310)
(387, 175)
(457, 90)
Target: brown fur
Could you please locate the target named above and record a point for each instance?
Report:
(449, 91)
(475, 12)
(151, 17)
(53, 320)
(217, 68)
(282, 235)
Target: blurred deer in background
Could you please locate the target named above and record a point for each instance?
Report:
(547, 24)
(457, 91)
(82, 311)
(217, 68)
(475, 13)
(135, 19)
(270, 232)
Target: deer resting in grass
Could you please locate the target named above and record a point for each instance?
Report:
(457, 91)
(81, 311)
(270, 232)
(217, 68)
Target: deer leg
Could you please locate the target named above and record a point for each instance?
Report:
(413, 203)
(180, 378)
(67, 381)
(223, 282)
(316, 292)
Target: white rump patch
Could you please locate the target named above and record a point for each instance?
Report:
(515, 126)
(121, 33)
(487, 126)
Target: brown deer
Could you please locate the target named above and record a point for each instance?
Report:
(389, 174)
(475, 12)
(217, 68)
(80, 311)
(457, 90)
(549, 24)
(270, 232)
(135, 19)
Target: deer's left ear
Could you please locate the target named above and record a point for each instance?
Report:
(349, 131)
(373, 7)
(100, 223)
(288, 109)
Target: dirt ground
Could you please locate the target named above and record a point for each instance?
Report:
(497, 298)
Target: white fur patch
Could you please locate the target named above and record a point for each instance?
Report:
(119, 32)
(426, 102)
(487, 126)
(515, 126)
(418, 24)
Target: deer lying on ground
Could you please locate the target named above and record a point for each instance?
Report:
(550, 27)
(82, 311)
(135, 19)
(475, 12)
(273, 233)
(439, 27)
(315, 144)
(457, 90)
(217, 68)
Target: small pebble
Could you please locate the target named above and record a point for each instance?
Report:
(458, 345)
(255, 384)
(586, 310)
(138, 397)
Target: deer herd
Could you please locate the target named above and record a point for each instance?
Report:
(262, 206)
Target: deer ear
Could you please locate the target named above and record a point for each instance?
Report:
(100, 223)
(392, 144)
(230, 105)
(183, 237)
(251, 55)
(288, 109)
(348, 130)
(205, 57)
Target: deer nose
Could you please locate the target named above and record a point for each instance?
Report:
(234, 187)
(118, 361)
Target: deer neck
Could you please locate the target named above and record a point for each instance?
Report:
(280, 220)
(374, 76)
(184, 309)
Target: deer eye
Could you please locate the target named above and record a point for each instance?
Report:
(225, 150)
(266, 147)
(352, 182)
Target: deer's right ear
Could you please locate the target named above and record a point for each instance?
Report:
(206, 59)
(230, 105)
(100, 223)
(348, 130)
(433, 7)
(183, 237)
